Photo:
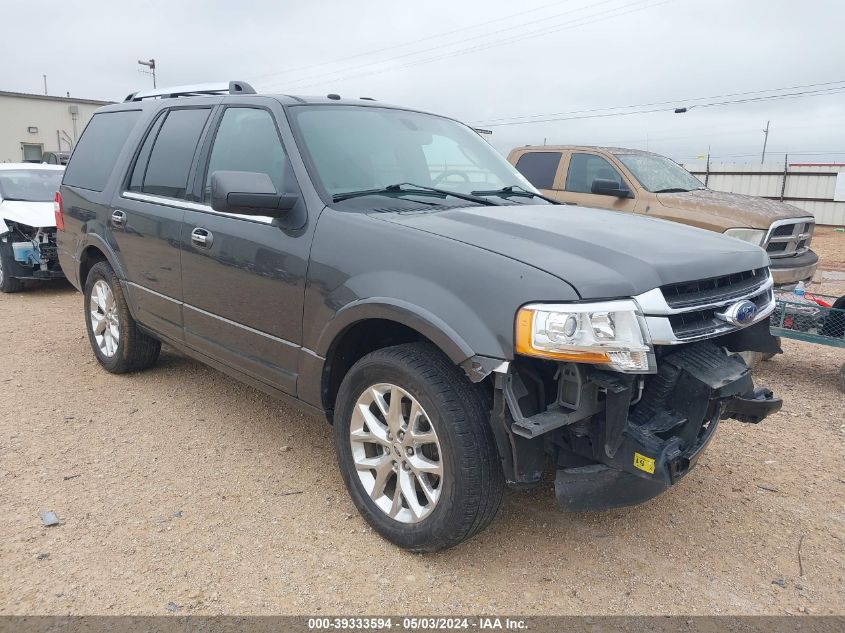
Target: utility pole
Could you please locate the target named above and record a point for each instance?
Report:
(151, 64)
(45, 83)
(765, 141)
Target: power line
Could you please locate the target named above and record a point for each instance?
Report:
(796, 95)
(417, 41)
(657, 103)
(437, 48)
(589, 19)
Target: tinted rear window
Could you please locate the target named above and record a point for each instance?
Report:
(173, 152)
(539, 168)
(96, 152)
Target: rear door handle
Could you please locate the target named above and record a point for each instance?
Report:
(201, 237)
(118, 217)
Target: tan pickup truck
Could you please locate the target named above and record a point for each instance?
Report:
(641, 182)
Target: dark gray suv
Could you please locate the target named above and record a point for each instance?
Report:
(387, 268)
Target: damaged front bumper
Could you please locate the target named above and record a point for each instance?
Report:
(31, 252)
(617, 439)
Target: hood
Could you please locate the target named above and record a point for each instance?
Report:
(602, 254)
(732, 210)
(35, 214)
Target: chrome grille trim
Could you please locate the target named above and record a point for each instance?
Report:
(791, 243)
(658, 314)
(654, 303)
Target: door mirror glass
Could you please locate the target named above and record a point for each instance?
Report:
(248, 193)
(604, 187)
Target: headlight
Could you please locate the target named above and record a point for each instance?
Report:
(754, 236)
(609, 333)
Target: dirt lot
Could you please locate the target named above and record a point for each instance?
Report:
(180, 490)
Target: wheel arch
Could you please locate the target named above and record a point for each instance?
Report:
(373, 324)
(94, 250)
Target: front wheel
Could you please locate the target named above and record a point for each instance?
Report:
(119, 345)
(415, 448)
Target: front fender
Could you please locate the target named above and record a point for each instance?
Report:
(461, 297)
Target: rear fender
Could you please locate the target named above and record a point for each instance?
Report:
(96, 241)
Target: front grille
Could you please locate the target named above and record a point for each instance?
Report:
(790, 238)
(688, 311)
(785, 229)
(697, 323)
(714, 289)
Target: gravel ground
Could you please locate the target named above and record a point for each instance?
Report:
(180, 490)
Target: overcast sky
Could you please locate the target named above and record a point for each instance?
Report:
(474, 60)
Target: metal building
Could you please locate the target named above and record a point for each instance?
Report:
(36, 128)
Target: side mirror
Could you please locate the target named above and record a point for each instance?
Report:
(604, 187)
(248, 193)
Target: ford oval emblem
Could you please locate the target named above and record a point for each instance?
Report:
(740, 313)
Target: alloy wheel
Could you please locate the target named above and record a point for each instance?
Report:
(104, 318)
(396, 453)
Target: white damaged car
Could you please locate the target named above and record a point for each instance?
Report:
(28, 223)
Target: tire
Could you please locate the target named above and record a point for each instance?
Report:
(131, 350)
(471, 484)
(7, 284)
(752, 359)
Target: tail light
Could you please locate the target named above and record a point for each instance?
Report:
(59, 211)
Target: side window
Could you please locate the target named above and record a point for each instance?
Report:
(539, 168)
(170, 147)
(247, 140)
(96, 152)
(585, 168)
(136, 182)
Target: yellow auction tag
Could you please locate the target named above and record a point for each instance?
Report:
(644, 463)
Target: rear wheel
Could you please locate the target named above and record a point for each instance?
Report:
(7, 284)
(119, 345)
(415, 448)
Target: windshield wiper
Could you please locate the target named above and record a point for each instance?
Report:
(516, 190)
(673, 190)
(411, 188)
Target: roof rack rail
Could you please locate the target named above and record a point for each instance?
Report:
(231, 88)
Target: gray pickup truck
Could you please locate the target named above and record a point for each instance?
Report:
(388, 269)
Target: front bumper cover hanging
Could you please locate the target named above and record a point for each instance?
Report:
(627, 454)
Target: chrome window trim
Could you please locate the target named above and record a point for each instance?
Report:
(792, 237)
(191, 206)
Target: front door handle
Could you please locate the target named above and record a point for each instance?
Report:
(201, 237)
(118, 217)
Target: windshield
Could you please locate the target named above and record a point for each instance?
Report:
(354, 149)
(31, 185)
(658, 173)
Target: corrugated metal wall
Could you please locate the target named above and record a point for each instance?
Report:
(808, 186)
